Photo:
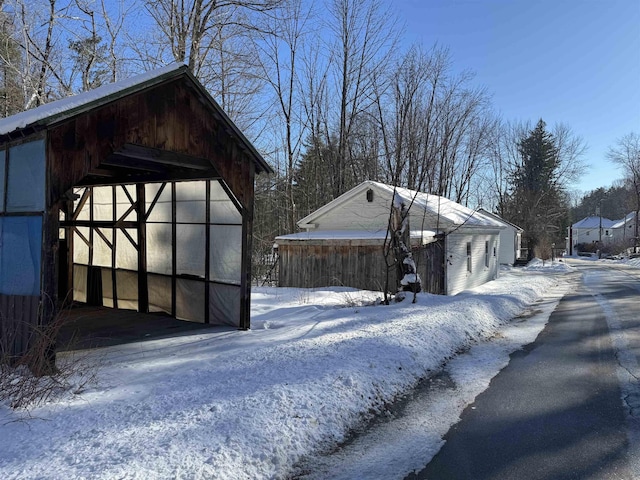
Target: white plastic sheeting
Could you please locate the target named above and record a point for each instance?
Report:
(191, 249)
(224, 304)
(191, 202)
(159, 257)
(225, 249)
(226, 253)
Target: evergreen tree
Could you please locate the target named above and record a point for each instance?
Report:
(536, 200)
(315, 177)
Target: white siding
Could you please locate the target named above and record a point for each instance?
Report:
(457, 277)
(357, 214)
(508, 246)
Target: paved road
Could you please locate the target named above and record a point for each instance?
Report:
(556, 411)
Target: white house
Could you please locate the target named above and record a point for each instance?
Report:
(624, 230)
(590, 230)
(346, 236)
(510, 239)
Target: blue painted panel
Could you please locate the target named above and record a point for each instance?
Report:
(3, 156)
(26, 184)
(20, 255)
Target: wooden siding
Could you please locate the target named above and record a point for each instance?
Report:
(353, 264)
(314, 265)
(19, 323)
(431, 267)
(168, 117)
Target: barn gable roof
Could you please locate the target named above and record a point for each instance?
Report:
(448, 211)
(25, 123)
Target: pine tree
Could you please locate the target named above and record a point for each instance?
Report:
(536, 200)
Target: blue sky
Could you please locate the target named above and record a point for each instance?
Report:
(570, 61)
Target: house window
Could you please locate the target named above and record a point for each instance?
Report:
(369, 195)
(494, 250)
(486, 253)
(469, 257)
(606, 233)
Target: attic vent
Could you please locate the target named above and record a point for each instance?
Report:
(369, 195)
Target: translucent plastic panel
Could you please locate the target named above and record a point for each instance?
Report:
(223, 210)
(224, 305)
(80, 248)
(3, 156)
(161, 211)
(226, 253)
(159, 293)
(21, 253)
(190, 249)
(191, 202)
(25, 190)
(107, 287)
(102, 203)
(190, 300)
(83, 214)
(127, 289)
(159, 248)
(80, 283)
(101, 249)
(126, 253)
(123, 204)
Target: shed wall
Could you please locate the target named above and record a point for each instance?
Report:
(321, 264)
(458, 276)
(508, 246)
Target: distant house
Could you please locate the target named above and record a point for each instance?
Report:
(590, 230)
(624, 230)
(510, 239)
(455, 247)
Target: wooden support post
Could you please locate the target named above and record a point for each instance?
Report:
(174, 262)
(245, 278)
(143, 289)
(114, 245)
(207, 253)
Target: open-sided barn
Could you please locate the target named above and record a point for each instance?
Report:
(455, 247)
(136, 195)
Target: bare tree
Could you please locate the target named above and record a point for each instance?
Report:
(39, 32)
(11, 64)
(364, 35)
(280, 42)
(626, 154)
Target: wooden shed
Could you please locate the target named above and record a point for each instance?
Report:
(136, 195)
(455, 247)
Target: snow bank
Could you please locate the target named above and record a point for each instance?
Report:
(232, 405)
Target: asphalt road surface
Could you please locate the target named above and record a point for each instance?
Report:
(568, 405)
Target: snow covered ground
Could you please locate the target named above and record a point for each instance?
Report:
(227, 404)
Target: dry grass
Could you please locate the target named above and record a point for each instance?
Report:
(35, 377)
